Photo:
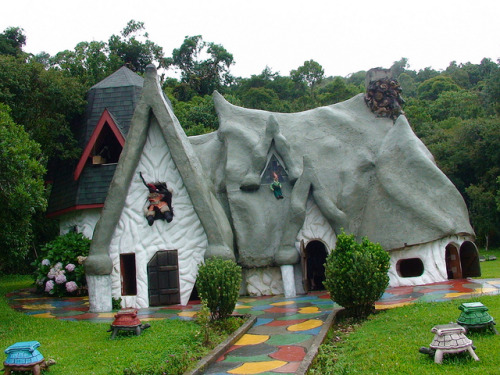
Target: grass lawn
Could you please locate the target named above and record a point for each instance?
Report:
(388, 342)
(490, 269)
(86, 348)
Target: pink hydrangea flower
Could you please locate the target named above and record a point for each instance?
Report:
(45, 262)
(70, 267)
(71, 286)
(60, 278)
(52, 273)
(58, 266)
(49, 286)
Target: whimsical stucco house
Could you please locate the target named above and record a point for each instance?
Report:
(341, 166)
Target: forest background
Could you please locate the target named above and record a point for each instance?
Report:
(455, 112)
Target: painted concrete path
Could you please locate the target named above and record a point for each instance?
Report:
(285, 327)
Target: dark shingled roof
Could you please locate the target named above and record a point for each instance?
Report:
(123, 77)
(119, 94)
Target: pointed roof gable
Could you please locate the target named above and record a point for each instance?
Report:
(123, 77)
(106, 118)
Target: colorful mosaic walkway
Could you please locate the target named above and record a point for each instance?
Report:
(285, 327)
(280, 338)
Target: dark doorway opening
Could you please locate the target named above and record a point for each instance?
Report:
(469, 260)
(411, 267)
(194, 294)
(128, 274)
(315, 258)
(163, 278)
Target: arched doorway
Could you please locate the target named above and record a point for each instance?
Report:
(462, 262)
(469, 260)
(453, 267)
(314, 258)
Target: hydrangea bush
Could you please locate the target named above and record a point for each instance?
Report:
(59, 268)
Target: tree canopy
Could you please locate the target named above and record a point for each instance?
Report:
(93, 61)
(21, 190)
(311, 73)
(202, 75)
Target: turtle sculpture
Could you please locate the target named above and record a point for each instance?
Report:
(475, 316)
(24, 356)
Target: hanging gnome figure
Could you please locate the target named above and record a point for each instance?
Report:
(159, 204)
(276, 186)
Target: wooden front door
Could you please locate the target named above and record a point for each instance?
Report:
(163, 279)
(453, 267)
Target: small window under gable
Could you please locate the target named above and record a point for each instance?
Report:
(274, 166)
(106, 149)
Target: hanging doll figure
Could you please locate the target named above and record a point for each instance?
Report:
(159, 204)
(276, 187)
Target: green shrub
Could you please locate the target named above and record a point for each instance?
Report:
(218, 285)
(59, 268)
(356, 274)
(203, 320)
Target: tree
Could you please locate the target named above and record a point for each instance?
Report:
(433, 87)
(196, 116)
(91, 62)
(88, 62)
(408, 85)
(133, 52)
(311, 73)
(483, 213)
(425, 74)
(45, 102)
(468, 152)
(12, 41)
(498, 194)
(203, 76)
(261, 98)
(337, 91)
(21, 191)
(492, 93)
(356, 79)
(463, 103)
(399, 67)
(417, 112)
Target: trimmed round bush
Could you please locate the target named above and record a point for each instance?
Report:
(218, 285)
(356, 274)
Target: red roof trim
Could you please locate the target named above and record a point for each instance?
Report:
(105, 118)
(75, 208)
